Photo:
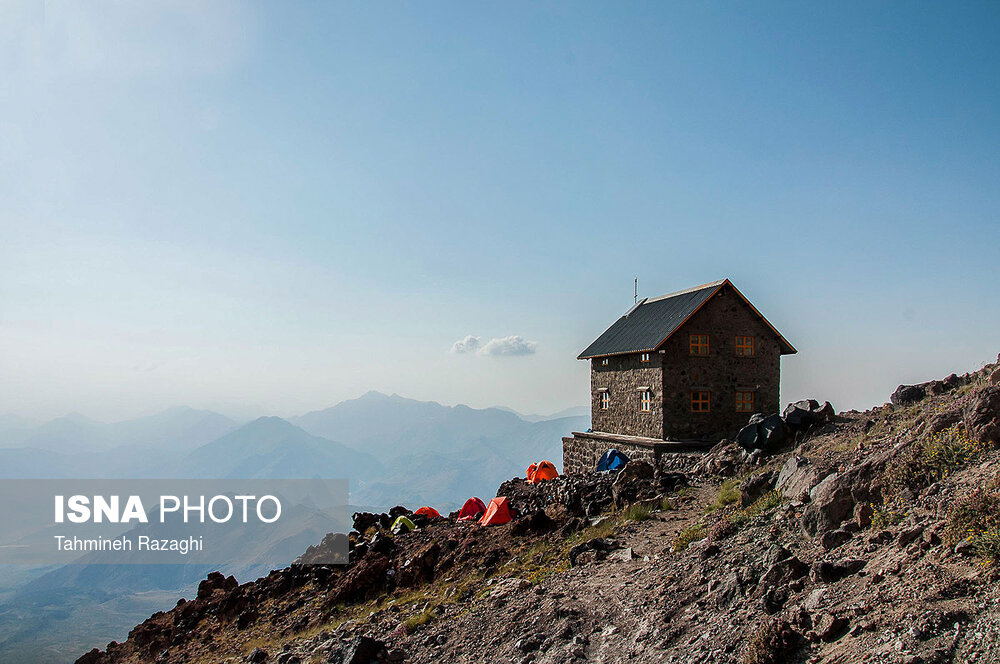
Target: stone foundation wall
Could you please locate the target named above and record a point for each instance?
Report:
(580, 455)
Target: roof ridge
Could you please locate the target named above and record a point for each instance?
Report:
(711, 284)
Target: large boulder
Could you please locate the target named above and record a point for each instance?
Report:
(756, 486)
(906, 395)
(765, 433)
(830, 503)
(797, 478)
(982, 417)
(365, 650)
(804, 414)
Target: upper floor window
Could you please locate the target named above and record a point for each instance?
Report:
(646, 400)
(605, 361)
(699, 344)
(744, 346)
(701, 401)
(644, 357)
(605, 400)
(744, 401)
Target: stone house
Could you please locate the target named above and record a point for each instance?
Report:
(678, 371)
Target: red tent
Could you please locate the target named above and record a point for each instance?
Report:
(544, 470)
(429, 512)
(498, 512)
(472, 508)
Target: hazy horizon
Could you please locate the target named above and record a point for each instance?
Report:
(271, 208)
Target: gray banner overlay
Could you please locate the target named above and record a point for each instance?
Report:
(250, 523)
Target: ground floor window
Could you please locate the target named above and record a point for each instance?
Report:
(744, 401)
(701, 401)
(646, 400)
(605, 400)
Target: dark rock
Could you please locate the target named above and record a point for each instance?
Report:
(95, 656)
(756, 486)
(774, 554)
(797, 477)
(829, 627)
(537, 522)
(597, 548)
(982, 417)
(906, 395)
(801, 415)
(215, 581)
(727, 590)
(830, 572)
(709, 551)
(908, 535)
(863, 513)
(529, 643)
(784, 571)
(774, 599)
(364, 650)
(945, 420)
(834, 538)
(830, 503)
(766, 434)
(258, 656)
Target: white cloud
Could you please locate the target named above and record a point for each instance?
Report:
(512, 345)
(467, 345)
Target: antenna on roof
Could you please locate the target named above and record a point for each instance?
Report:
(636, 298)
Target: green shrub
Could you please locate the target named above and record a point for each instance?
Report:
(692, 533)
(931, 459)
(418, 620)
(638, 512)
(772, 643)
(886, 516)
(764, 503)
(729, 493)
(667, 505)
(976, 517)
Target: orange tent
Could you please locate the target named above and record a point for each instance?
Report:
(545, 470)
(472, 508)
(498, 512)
(531, 470)
(429, 512)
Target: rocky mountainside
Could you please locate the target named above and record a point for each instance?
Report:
(860, 537)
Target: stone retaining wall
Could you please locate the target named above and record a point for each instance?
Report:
(581, 454)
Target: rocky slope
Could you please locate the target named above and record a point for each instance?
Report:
(871, 537)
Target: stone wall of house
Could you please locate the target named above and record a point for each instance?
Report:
(581, 454)
(721, 372)
(624, 378)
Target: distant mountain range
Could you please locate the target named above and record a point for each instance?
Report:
(392, 449)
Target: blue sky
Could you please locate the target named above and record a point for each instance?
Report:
(270, 207)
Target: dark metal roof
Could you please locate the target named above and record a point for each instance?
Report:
(647, 325)
(651, 322)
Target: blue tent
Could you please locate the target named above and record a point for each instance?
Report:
(612, 460)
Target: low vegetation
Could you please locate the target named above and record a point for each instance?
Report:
(886, 516)
(772, 643)
(976, 519)
(931, 459)
(414, 622)
(730, 522)
(639, 512)
(729, 494)
(692, 533)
